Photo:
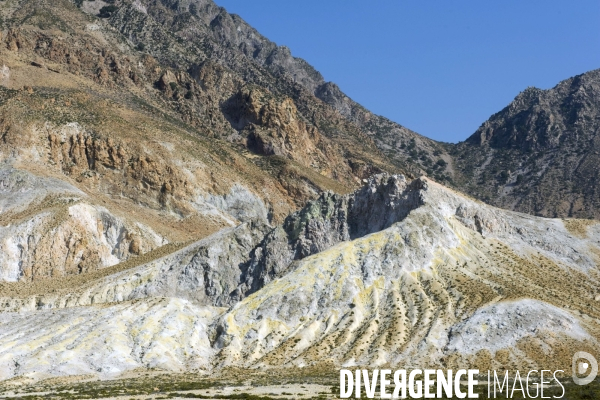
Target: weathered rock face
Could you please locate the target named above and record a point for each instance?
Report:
(407, 293)
(139, 114)
(187, 62)
(208, 272)
(228, 266)
(397, 273)
(539, 154)
(272, 126)
(161, 182)
(74, 201)
(70, 240)
(52, 231)
(247, 53)
(221, 51)
(330, 220)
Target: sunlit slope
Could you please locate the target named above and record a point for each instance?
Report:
(400, 273)
(456, 283)
(169, 334)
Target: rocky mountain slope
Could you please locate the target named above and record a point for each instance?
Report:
(228, 40)
(177, 192)
(176, 118)
(540, 154)
(429, 279)
(108, 152)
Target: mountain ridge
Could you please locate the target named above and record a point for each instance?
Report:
(405, 149)
(540, 153)
(162, 171)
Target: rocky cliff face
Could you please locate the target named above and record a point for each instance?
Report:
(145, 144)
(398, 273)
(76, 200)
(330, 220)
(235, 262)
(540, 154)
(431, 289)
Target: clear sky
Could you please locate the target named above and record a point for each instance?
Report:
(440, 68)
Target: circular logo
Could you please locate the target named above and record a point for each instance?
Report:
(581, 367)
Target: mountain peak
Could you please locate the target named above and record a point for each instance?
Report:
(538, 154)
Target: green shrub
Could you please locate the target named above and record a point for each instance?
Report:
(107, 11)
(519, 179)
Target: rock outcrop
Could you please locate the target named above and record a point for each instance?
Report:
(406, 293)
(327, 221)
(235, 262)
(51, 231)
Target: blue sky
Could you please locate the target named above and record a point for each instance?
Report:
(440, 68)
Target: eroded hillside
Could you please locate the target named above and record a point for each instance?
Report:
(398, 273)
(179, 193)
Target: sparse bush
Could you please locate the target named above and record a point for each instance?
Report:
(412, 144)
(107, 11)
(519, 179)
